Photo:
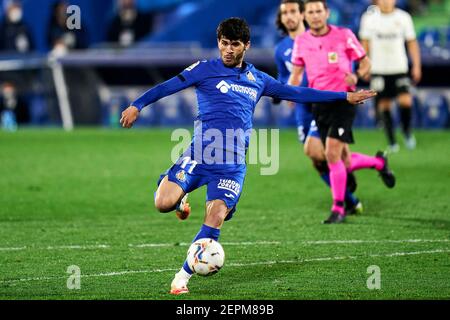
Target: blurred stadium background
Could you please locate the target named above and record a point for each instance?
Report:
(87, 77)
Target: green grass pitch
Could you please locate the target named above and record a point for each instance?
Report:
(86, 198)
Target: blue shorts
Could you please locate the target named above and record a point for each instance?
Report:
(306, 125)
(222, 183)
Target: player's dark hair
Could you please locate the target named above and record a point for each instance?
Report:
(323, 1)
(234, 29)
(278, 22)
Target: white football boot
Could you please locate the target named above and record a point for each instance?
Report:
(179, 283)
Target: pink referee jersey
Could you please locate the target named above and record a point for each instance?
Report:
(328, 58)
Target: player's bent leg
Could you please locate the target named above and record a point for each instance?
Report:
(314, 149)
(168, 195)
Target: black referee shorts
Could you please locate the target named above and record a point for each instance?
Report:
(335, 120)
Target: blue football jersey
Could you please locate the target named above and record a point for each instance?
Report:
(283, 54)
(227, 98)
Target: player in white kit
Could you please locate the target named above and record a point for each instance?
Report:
(383, 33)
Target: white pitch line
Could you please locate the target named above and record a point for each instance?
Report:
(13, 249)
(120, 273)
(375, 241)
(154, 245)
(96, 246)
(65, 247)
(243, 243)
(304, 242)
(390, 255)
(238, 265)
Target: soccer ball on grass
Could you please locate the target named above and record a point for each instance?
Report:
(205, 257)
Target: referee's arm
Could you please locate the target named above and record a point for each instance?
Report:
(366, 45)
(363, 71)
(296, 76)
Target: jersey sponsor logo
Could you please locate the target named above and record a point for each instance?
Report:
(224, 87)
(252, 93)
(388, 36)
(181, 176)
(192, 66)
(333, 57)
(229, 185)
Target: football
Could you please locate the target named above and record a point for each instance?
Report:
(205, 257)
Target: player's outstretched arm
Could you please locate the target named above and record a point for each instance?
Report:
(360, 96)
(274, 88)
(171, 86)
(129, 116)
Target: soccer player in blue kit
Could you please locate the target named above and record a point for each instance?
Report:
(290, 21)
(228, 89)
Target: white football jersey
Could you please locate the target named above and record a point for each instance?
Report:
(387, 34)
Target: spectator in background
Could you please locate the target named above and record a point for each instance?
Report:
(14, 34)
(60, 38)
(13, 108)
(129, 25)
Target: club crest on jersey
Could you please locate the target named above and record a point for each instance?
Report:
(250, 76)
(332, 57)
(181, 176)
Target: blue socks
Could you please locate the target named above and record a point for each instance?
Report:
(205, 232)
(326, 178)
